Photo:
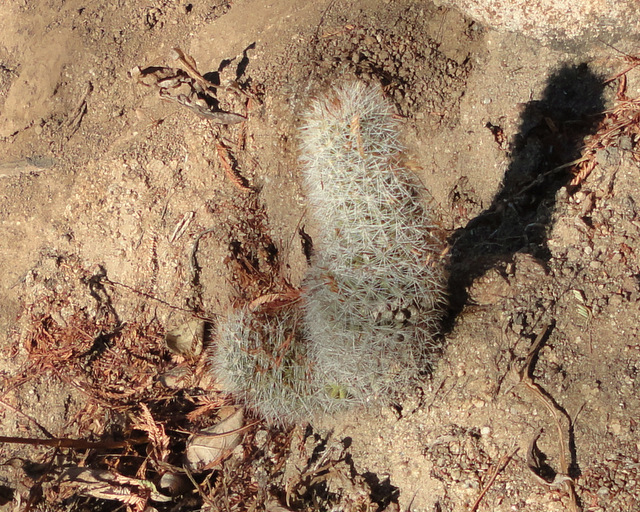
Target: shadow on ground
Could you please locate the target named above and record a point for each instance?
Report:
(551, 134)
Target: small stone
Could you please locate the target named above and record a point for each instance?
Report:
(615, 301)
(471, 484)
(615, 427)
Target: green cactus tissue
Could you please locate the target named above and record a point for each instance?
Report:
(261, 358)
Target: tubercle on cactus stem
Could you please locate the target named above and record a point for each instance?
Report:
(371, 302)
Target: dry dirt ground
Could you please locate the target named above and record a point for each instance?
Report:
(123, 215)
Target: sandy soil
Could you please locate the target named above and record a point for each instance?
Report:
(123, 215)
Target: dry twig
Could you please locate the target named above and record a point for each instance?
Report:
(77, 444)
(158, 448)
(502, 464)
(562, 478)
(623, 119)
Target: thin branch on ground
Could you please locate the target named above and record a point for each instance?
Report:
(526, 375)
(502, 464)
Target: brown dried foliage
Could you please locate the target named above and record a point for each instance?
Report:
(622, 120)
(158, 447)
(230, 167)
(111, 364)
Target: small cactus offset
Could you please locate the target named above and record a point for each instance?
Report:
(374, 294)
(262, 360)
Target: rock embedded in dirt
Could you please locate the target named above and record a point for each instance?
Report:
(565, 22)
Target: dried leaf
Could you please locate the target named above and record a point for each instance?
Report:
(177, 378)
(207, 405)
(109, 485)
(212, 445)
(222, 117)
(190, 66)
(182, 226)
(187, 88)
(229, 168)
(541, 471)
(272, 301)
(274, 506)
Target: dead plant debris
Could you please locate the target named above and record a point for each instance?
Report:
(187, 88)
(622, 121)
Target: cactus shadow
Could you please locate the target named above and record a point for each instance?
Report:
(551, 134)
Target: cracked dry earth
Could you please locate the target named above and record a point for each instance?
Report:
(123, 215)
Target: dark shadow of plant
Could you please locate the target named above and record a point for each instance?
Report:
(551, 134)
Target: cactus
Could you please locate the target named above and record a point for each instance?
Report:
(374, 293)
(261, 359)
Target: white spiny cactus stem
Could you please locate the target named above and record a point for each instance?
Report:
(261, 359)
(373, 296)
